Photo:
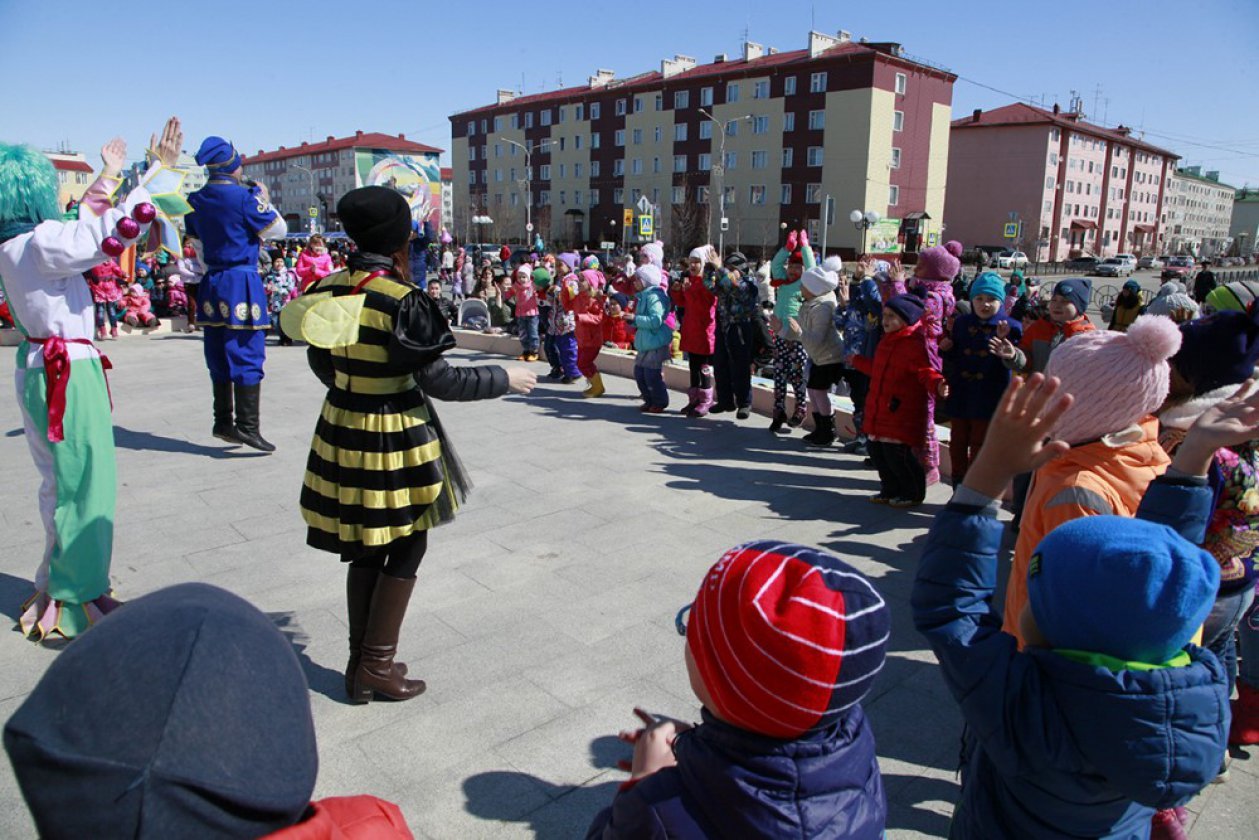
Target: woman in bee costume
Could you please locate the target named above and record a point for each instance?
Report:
(381, 472)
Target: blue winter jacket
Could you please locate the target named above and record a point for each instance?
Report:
(650, 312)
(731, 783)
(1055, 748)
(977, 379)
(859, 322)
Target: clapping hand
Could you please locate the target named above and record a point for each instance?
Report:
(171, 143)
(1000, 345)
(114, 157)
(791, 241)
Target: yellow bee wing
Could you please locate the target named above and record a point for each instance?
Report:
(323, 320)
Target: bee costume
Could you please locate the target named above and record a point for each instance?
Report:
(381, 471)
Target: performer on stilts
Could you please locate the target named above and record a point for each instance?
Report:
(381, 471)
(61, 385)
(229, 219)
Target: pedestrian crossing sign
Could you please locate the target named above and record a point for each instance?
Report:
(1011, 230)
(645, 227)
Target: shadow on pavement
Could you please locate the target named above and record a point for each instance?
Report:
(512, 796)
(325, 681)
(13, 591)
(125, 438)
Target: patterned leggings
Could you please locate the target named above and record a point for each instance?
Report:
(789, 359)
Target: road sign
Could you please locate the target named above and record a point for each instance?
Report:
(644, 206)
(1010, 230)
(629, 218)
(645, 226)
(529, 227)
(725, 223)
(830, 211)
(932, 239)
(314, 212)
(606, 246)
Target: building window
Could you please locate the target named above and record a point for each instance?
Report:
(563, 170)
(679, 132)
(679, 163)
(498, 175)
(595, 110)
(760, 90)
(705, 162)
(483, 126)
(655, 165)
(638, 104)
(760, 125)
(898, 120)
(701, 195)
(732, 128)
(472, 153)
(618, 196)
(814, 156)
(788, 157)
(732, 92)
(471, 177)
(618, 139)
(1049, 182)
(636, 166)
(732, 160)
(706, 97)
(756, 195)
(577, 142)
(618, 166)
(760, 160)
(731, 199)
(659, 101)
(560, 110)
(635, 194)
(893, 195)
(576, 198)
(637, 136)
(594, 197)
(900, 83)
(706, 130)
(681, 99)
(498, 150)
(789, 86)
(594, 169)
(595, 141)
(498, 125)
(579, 111)
(515, 199)
(544, 172)
(576, 170)
(679, 195)
(817, 83)
(471, 127)
(896, 158)
(529, 119)
(813, 193)
(789, 121)
(784, 196)
(562, 139)
(620, 107)
(817, 120)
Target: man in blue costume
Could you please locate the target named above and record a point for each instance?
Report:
(229, 220)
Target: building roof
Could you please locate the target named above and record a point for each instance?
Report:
(67, 165)
(724, 67)
(1191, 175)
(360, 139)
(1020, 113)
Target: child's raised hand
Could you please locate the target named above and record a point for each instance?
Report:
(1231, 422)
(653, 743)
(114, 157)
(791, 241)
(804, 238)
(1003, 329)
(1001, 347)
(1017, 439)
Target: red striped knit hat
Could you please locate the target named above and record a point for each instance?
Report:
(786, 637)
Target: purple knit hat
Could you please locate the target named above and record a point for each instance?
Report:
(940, 262)
(1117, 378)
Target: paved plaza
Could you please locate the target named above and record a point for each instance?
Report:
(542, 615)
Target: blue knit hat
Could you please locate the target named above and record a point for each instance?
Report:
(218, 155)
(909, 307)
(989, 283)
(1078, 290)
(1127, 588)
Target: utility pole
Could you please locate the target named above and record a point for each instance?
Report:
(719, 169)
(529, 150)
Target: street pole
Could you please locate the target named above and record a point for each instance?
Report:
(528, 150)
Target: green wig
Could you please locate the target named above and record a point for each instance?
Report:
(28, 189)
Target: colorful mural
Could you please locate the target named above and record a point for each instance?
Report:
(418, 177)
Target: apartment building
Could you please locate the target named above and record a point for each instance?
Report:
(1199, 213)
(1069, 186)
(1244, 227)
(776, 132)
(74, 175)
(306, 181)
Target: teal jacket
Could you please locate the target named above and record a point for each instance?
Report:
(787, 298)
(652, 308)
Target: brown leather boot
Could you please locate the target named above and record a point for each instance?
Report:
(376, 673)
(360, 583)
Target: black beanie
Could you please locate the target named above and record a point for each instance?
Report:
(183, 714)
(737, 261)
(908, 307)
(1218, 350)
(378, 219)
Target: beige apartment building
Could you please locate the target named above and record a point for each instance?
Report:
(1199, 213)
(778, 133)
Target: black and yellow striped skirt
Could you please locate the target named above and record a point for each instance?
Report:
(375, 473)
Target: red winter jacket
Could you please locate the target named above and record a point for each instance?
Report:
(349, 818)
(618, 332)
(588, 312)
(901, 378)
(699, 317)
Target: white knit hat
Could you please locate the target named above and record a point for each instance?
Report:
(655, 253)
(650, 275)
(818, 281)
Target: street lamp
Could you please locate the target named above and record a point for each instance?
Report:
(863, 221)
(719, 169)
(315, 216)
(528, 180)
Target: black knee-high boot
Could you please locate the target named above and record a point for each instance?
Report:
(248, 399)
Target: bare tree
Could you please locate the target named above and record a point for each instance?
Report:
(688, 221)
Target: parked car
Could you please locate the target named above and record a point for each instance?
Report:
(1177, 268)
(1011, 259)
(484, 250)
(1149, 262)
(1084, 265)
(1112, 267)
(1130, 260)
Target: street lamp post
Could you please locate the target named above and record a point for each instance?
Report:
(313, 218)
(863, 221)
(719, 169)
(528, 179)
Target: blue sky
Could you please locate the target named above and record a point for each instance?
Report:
(266, 73)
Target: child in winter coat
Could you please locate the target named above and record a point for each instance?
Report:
(177, 296)
(822, 342)
(699, 329)
(977, 378)
(860, 322)
(587, 309)
(106, 281)
(139, 307)
(1127, 306)
(1067, 318)
(902, 381)
(784, 748)
(933, 282)
(652, 338)
(617, 331)
(562, 330)
(788, 265)
(281, 287)
(1172, 300)
(1118, 381)
(525, 294)
(314, 262)
(738, 330)
(1109, 713)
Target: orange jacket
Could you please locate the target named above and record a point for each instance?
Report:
(1090, 480)
(1041, 338)
(349, 818)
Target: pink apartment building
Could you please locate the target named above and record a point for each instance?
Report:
(1072, 187)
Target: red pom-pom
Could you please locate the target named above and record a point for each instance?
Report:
(113, 246)
(128, 228)
(144, 213)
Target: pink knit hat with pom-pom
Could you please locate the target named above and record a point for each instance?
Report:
(1116, 378)
(940, 262)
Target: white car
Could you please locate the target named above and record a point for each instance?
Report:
(1129, 260)
(1149, 262)
(1112, 267)
(1011, 259)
